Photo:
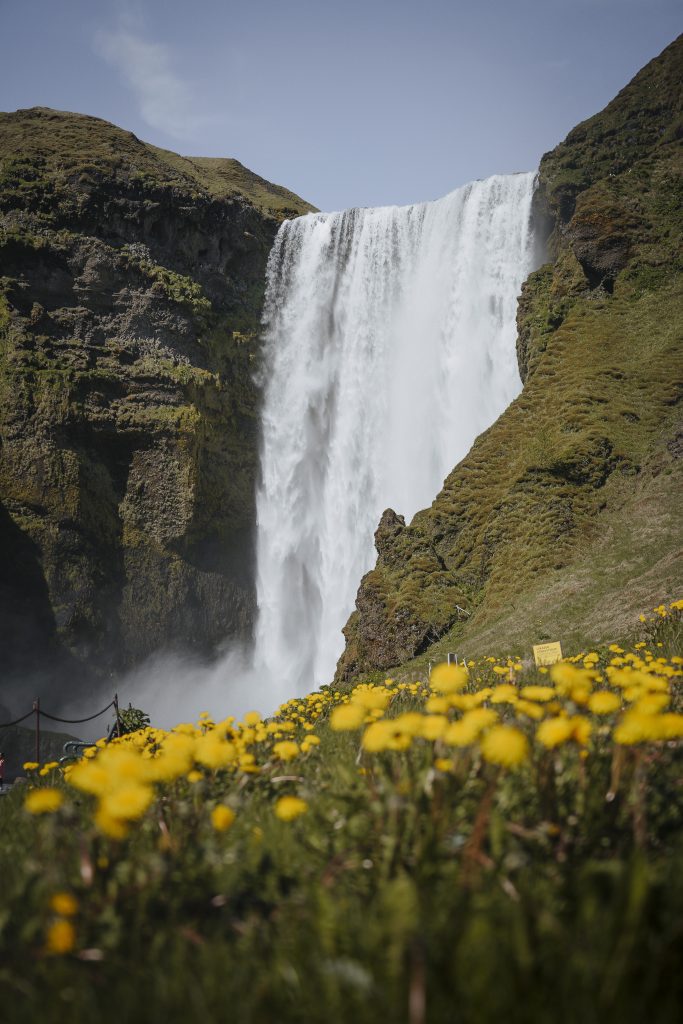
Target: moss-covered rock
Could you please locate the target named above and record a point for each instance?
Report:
(130, 299)
(562, 521)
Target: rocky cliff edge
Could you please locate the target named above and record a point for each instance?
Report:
(131, 286)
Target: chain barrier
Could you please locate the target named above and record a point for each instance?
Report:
(76, 721)
(37, 712)
(55, 718)
(8, 725)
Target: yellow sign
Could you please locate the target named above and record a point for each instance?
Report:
(547, 654)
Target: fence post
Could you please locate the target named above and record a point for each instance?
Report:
(36, 708)
(116, 712)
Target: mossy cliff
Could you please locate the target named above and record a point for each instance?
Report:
(131, 285)
(563, 520)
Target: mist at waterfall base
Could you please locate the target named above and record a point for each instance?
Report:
(389, 345)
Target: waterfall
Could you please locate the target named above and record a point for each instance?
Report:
(389, 345)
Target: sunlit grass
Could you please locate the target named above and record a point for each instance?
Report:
(366, 850)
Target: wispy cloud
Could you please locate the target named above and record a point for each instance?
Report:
(166, 102)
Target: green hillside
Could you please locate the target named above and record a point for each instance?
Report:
(48, 153)
(564, 518)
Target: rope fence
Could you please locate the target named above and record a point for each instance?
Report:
(8, 725)
(38, 713)
(76, 721)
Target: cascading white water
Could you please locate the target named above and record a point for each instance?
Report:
(389, 345)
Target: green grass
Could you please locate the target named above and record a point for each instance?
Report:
(405, 893)
(48, 156)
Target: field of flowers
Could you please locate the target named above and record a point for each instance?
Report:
(499, 843)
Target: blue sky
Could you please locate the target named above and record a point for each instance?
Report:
(348, 103)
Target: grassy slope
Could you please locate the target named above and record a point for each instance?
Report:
(79, 145)
(574, 490)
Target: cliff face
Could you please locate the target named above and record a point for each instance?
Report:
(131, 285)
(563, 519)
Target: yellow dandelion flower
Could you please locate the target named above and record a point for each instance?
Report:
(347, 717)
(43, 801)
(530, 709)
(30, 766)
(409, 723)
(184, 729)
(566, 677)
(128, 802)
(462, 701)
(444, 764)
(64, 904)
(460, 734)
(504, 745)
(433, 727)
(436, 705)
(370, 697)
(447, 678)
(378, 736)
(581, 729)
(110, 826)
(651, 703)
(89, 777)
(670, 726)
(222, 817)
(60, 937)
(252, 718)
(603, 702)
(287, 808)
(554, 731)
(480, 718)
(539, 693)
(194, 776)
(470, 726)
(506, 693)
(285, 750)
(636, 727)
(213, 751)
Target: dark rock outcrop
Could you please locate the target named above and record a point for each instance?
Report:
(131, 286)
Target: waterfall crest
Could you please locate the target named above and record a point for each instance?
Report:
(389, 345)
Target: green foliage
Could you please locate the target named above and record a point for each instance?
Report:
(132, 719)
(177, 287)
